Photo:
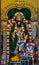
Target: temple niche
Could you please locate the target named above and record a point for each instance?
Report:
(19, 29)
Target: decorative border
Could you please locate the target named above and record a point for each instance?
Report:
(5, 11)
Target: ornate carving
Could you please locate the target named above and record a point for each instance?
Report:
(18, 4)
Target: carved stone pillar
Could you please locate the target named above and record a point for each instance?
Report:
(3, 57)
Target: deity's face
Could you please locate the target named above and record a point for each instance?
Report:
(19, 17)
(19, 20)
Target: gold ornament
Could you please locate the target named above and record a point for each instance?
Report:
(14, 17)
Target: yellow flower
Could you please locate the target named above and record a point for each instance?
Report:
(8, 52)
(15, 58)
(26, 21)
(26, 37)
(30, 37)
